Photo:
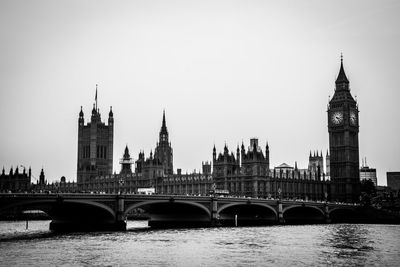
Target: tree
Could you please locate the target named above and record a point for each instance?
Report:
(368, 190)
(368, 187)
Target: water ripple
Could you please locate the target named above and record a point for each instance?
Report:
(303, 245)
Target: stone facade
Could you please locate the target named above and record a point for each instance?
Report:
(393, 181)
(248, 174)
(343, 128)
(244, 172)
(15, 181)
(95, 146)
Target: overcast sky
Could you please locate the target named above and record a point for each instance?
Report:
(224, 71)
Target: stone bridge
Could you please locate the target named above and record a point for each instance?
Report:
(85, 212)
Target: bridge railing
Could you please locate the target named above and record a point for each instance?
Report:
(162, 196)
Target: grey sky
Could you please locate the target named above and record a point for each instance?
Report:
(224, 71)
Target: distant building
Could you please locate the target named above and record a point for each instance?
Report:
(316, 162)
(393, 181)
(367, 173)
(95, 146)
(283, 167)
(57, 187)
(206, 167)
(15, 181)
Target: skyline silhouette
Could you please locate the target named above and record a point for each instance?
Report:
(223, 71)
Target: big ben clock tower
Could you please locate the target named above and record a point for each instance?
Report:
(343, 131)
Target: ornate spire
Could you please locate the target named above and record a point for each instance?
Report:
(126, 153)
(163, 118)
(342, 75)
(95, 97)
(164, 124)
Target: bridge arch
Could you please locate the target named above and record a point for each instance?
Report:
(172, 213)
(155, 202)
(28, 204)
(341, 214)
(223, 207)
(47, 205)
(70, 215)
(246, 213)
(295, 214)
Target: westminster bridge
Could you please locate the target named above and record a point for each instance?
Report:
(85, 212)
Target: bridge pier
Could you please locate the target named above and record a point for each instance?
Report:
(120, 220)
(84, 222)
(281, 220)
(214, 221)
(326, 213)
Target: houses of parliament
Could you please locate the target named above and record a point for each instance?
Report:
(244, 171)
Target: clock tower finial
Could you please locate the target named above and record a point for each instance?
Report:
(341, 81)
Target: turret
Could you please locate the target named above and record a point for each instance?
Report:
(214, 154)
(163, 131)
(81, 119)
(226, 151)
(267, 154)
(110, 116)
(126, 162)
(41, 177)
(238, 155)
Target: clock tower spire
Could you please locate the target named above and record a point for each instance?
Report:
(343, 131)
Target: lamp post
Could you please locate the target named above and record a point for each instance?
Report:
(120, 183)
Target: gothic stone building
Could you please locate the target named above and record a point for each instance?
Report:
(15, 181)
(246, 173)
(95, 146)
(343, 130)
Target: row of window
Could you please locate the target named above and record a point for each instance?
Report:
(101, 152)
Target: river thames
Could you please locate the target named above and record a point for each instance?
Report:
(302, 245)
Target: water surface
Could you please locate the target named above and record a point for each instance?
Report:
(305, 245)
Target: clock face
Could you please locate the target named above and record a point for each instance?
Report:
(353, 118)
(337, 117)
